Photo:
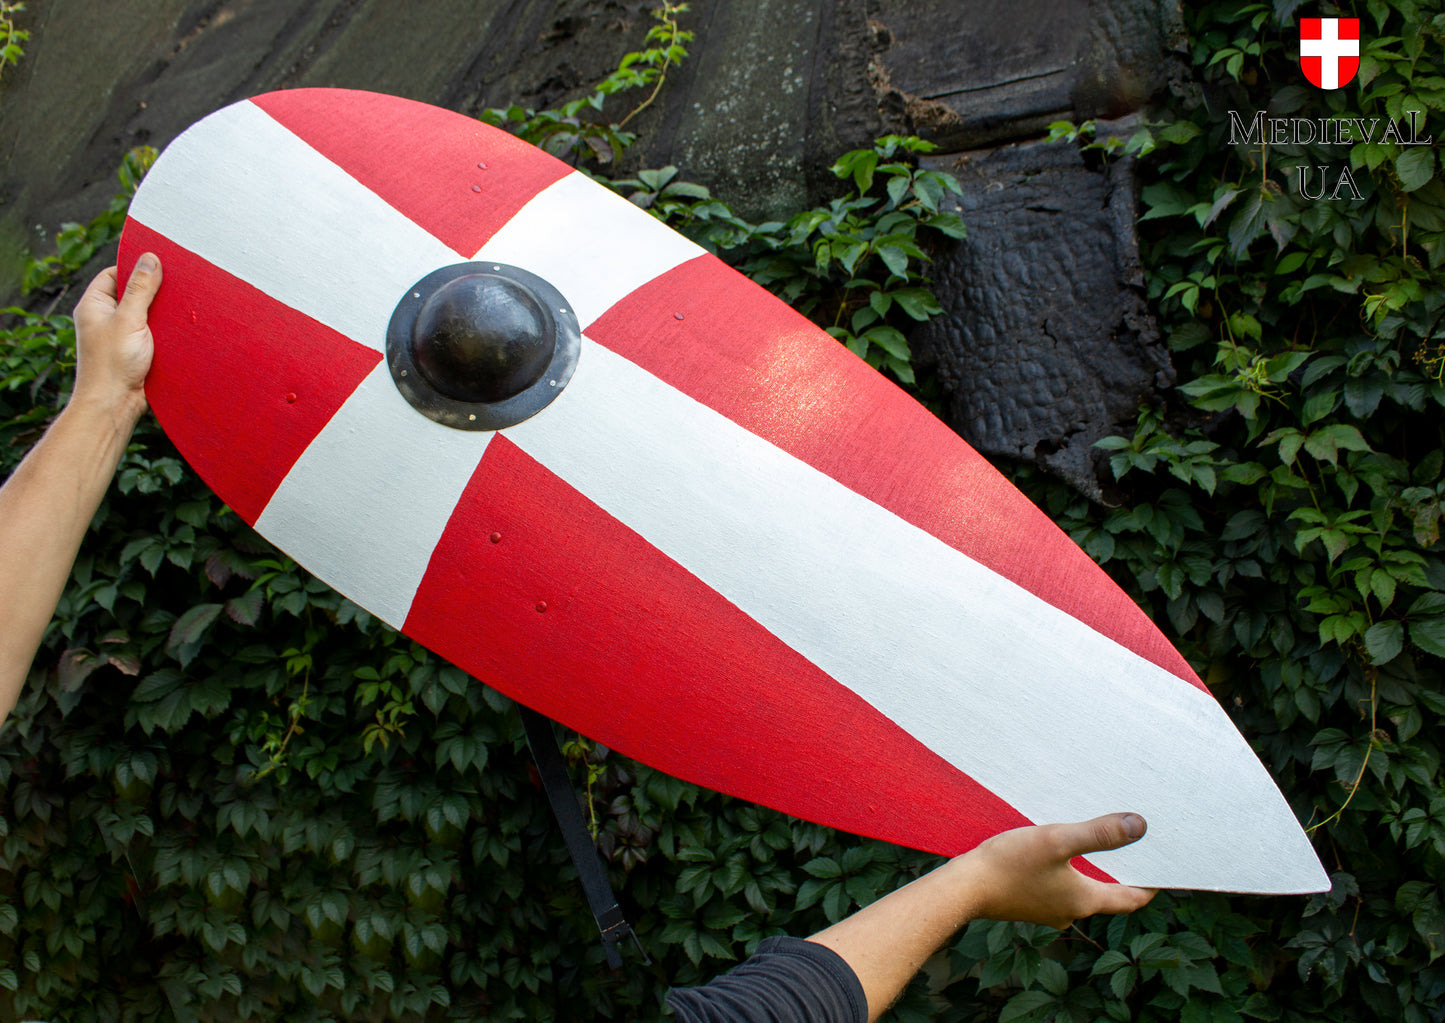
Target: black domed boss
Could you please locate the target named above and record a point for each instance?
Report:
(482, 346)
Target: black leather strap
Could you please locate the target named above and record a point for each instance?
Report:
(560, 793)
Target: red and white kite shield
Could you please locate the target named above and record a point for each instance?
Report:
(728, 548)
(1329, 50)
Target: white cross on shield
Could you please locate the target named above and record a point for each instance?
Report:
(1329, 50)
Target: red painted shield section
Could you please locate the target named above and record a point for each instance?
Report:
(551, 600)
(269, 417)
(701, 328)
(413, 156)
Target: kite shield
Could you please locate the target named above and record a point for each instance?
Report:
(726, 547)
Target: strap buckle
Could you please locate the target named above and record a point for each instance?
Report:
(611, 923)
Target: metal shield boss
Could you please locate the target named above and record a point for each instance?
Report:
(482, 346)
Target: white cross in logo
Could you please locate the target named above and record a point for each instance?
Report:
(1330, 48)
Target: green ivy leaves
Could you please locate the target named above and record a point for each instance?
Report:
(569, 131)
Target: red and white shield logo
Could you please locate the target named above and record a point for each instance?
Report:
(1329, 50)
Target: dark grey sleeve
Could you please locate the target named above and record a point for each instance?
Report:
(788, 980)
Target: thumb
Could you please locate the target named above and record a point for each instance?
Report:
(1108, 832)
(145, 281)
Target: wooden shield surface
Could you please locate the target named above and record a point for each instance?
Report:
(728, 548)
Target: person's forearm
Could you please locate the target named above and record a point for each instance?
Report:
(45, 508)
(1023, 874)
(887, 942)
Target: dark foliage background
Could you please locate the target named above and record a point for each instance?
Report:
(229, 793)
